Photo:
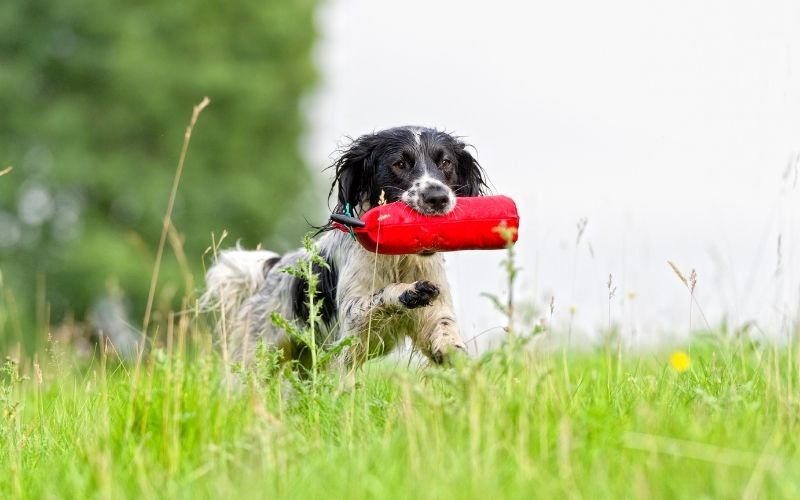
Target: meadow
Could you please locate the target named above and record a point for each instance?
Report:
(520, 421)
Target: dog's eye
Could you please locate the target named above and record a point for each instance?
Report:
(445, 164)
(400, 165)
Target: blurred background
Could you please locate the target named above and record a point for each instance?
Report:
(95, 96)
(630, 134)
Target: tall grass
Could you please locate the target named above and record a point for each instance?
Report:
(510, 423)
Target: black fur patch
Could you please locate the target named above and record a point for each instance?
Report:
(269, 264)
(326, 293)
(386, 164)
(423, 293)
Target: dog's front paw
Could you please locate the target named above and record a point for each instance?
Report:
(421, 293)
(445, 343)
(447, 353)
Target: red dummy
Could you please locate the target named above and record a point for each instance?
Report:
(474, 224)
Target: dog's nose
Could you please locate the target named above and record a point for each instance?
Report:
(436, 197)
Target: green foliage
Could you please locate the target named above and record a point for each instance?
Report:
(95, 97)
(510, 424)
(509, 266)
(318, 351)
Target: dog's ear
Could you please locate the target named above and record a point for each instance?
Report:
(471, 177)
(354, 174)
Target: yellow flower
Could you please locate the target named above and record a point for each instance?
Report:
(680, 361)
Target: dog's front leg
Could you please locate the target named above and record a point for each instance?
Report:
(438, 335)
(365, 316)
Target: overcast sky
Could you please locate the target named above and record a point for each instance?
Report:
(670, 125)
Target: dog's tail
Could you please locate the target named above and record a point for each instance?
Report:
(233, 278)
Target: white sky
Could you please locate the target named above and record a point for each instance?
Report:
(668, 124)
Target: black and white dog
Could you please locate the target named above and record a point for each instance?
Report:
(378, 299)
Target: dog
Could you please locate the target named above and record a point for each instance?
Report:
(377, 300)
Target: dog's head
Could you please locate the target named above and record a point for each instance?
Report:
(423, 167)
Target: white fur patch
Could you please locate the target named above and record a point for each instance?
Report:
(235, 275)
(417, 132)
(413, 196)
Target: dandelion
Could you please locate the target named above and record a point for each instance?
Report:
(680, 361)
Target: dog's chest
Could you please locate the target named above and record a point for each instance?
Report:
(390, 269)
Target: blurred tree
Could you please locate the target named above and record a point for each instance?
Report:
(94, 98)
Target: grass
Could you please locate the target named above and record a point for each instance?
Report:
(511, 424)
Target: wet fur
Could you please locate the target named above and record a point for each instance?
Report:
(378, 299)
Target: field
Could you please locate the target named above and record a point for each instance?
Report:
(517, 422)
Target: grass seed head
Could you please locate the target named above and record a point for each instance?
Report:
(612, 289)
(581, 225)
(678, 273)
